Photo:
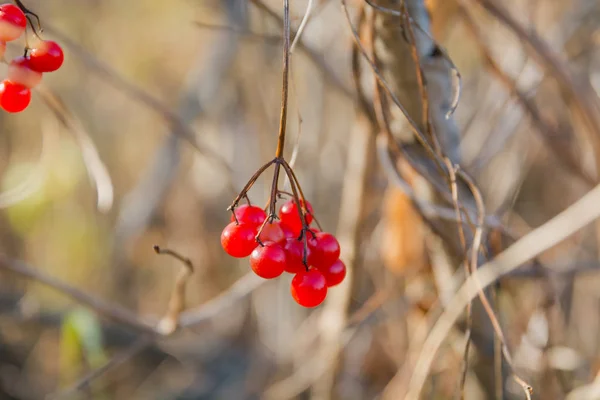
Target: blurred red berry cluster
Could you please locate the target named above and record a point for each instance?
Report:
(24, 72)
(275, 246)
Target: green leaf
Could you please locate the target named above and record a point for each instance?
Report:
(81, 345)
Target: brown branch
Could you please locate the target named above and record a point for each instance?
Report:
(547, 131)
(110, 311)
(240, 289)
(580, 91)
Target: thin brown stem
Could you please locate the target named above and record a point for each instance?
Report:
(385, 86)
(286, 72)
(457, 84)
(243, 193)
(463, 242)
(28, 12)
(272, 214)
(301, 211)
(420, 79)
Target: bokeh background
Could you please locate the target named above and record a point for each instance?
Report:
(143, 79)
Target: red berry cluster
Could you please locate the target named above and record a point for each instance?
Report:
(278, 246)
(24, 72)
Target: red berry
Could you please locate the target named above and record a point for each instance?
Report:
(238, 240)
(325, 249)
(294, 251)
(288, 214)
(19, 71)
(309, 289)
(14, 97)
(288, 232)
(12, 22)
(335, 273)
(268, 261)
(46, 57)
(251, 215)
(272, 232)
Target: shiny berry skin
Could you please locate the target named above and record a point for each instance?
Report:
(325, 249)
(268, 261)
(19, 71)
(289, 216)
(238, 240)
(251, 215)
(294, 250)
(14, 97)
(309, 289)
(288, 232)
(46, 57)
(272, 232)
(12, 22)
(335, 273)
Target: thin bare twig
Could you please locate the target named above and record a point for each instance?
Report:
(312, 55)
(456, 77)
(463, 241)
(169, 323)
(303, 23)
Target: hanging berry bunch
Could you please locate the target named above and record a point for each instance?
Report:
(283, 240)
(25, 72)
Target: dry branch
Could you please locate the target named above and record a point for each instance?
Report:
(563, 225)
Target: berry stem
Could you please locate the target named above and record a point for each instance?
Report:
(292, 176)
(286, 71)
(274, 185)
(301, 211)
(302, 205)
(249, 185)
(28, 12)
(272, 198)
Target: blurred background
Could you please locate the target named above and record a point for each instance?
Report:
(161, 113)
